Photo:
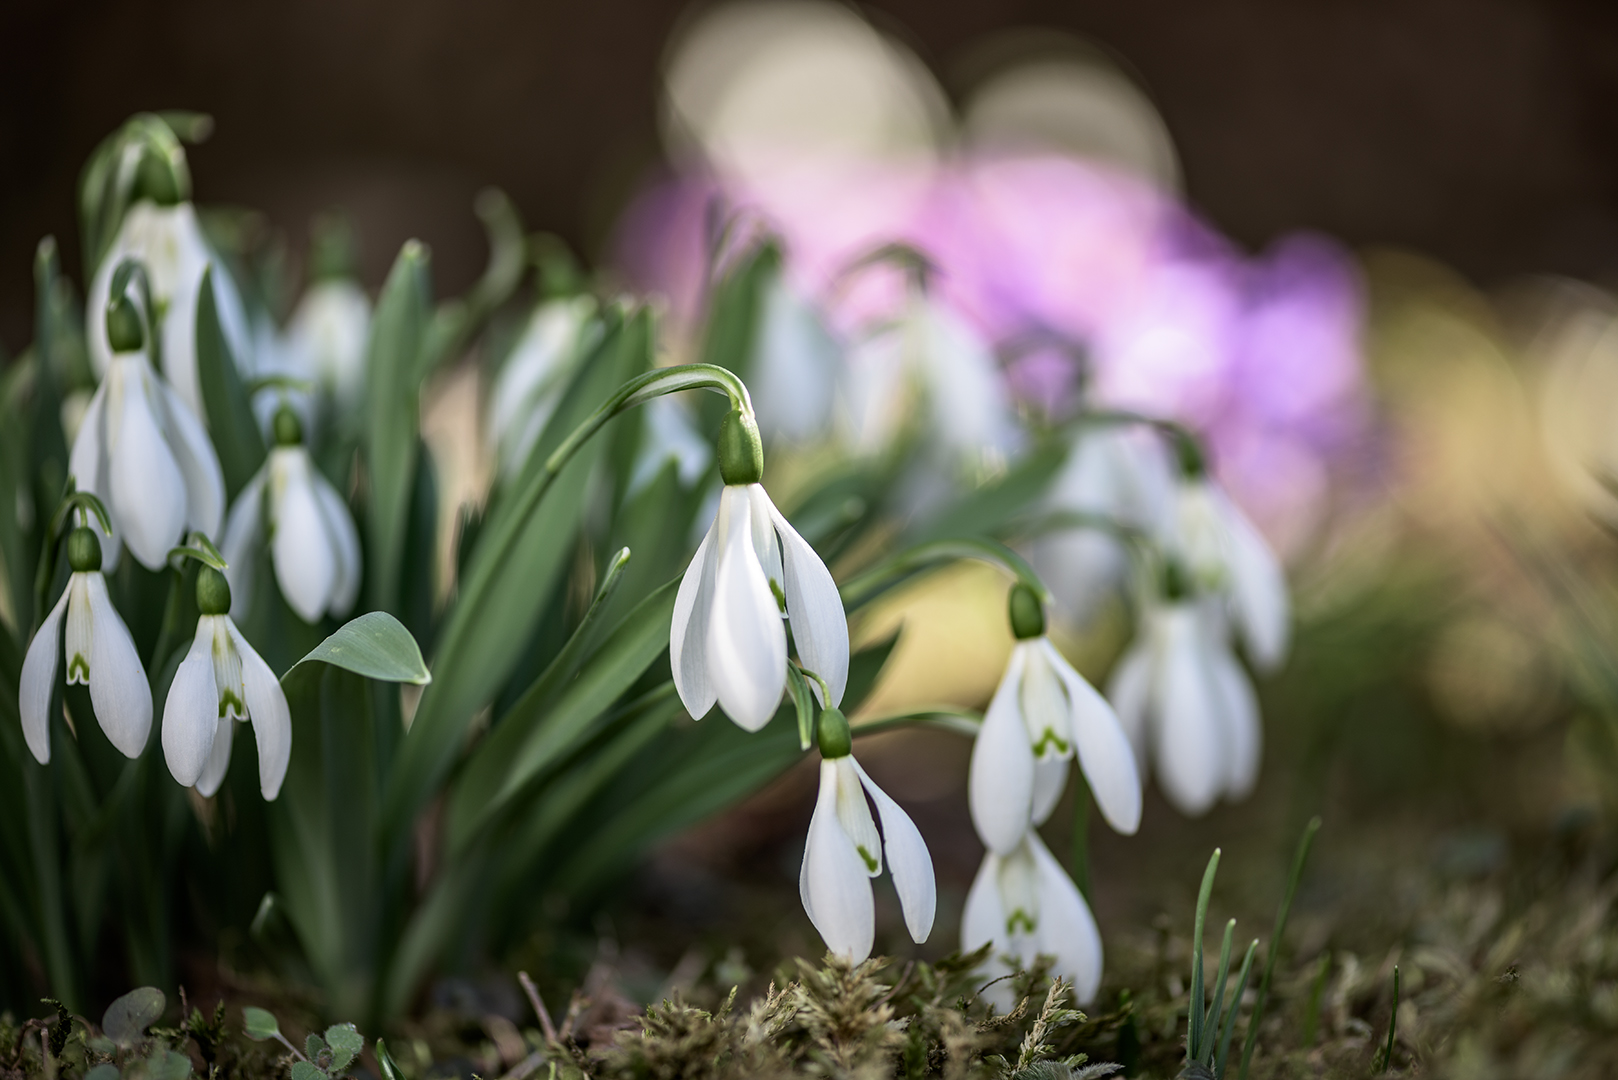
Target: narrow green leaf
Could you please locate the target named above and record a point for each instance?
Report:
(398, 334)
(1299, 857)
(375, 645)
(1198, 990)
(231, 424)
(804, 702)
(129, 1016)
(384, 1060)
(1230, 1017)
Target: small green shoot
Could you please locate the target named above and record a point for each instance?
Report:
(1298, 859)
(1393, 1026)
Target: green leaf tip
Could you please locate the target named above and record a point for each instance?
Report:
(375, 645)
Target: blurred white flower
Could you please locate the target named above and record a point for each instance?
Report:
(169, 241)
(795, 365)
(1024, 902)
(844, 851)
(1229, 557)
(314, 546)
(327, 337)
(727, 642)
(1188, 706)
(1042, 714)
(1111, 472)
(668, 436)
(222, 680)
(530, 384)
(145, 454)
(100, 655)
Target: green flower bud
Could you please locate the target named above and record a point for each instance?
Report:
(1176, 580)
(834, 737)
(159, 178)
(1026, 612)
(124, 330)
(287, 427)
(83, 550)
(741, 451)
(213, 592)
(1193, 462)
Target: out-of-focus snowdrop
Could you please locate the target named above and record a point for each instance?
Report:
(934, 361)
(844, 851)
(795, 365)
(100, 655)
(222, 680)
(1042, 716)
(326, 339)
(161, 231)
(142, 451)
(1025, 904)
(1113, 473)
(751, 574)
(669, 437)
(1185, 702)
(532, 380)
(314, 546)
(1229, 558)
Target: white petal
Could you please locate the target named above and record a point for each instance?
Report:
(1044, 704)
(244, 531)
(346, 544)
(854, 815)
(983, 920)
(1258, 589)
(39, 669)
(301, 549)
(1187, 732)
(148, 489)
(213, 773)
(747, 644)
(908, 861)
(199, 464)
(1066, 930)
(814, 607)
(77, 643)
(1050, 780)
(272, 719)
(1244, 734)
(1000, 780)
(1103, 749)
(191, 711)
(87, 464)
(1129, 690)
(832, 882)
(765, 541)
(688, 631)
(119, 692)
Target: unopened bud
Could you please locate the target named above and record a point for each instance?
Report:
(1026, 612)
(834, 737)
(213, 592)
(83, 550)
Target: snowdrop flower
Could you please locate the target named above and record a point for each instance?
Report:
(844, 851)
(141, 450)
(794, 366)
(1114, 473)
(1041, 716)
(727, 642)
(1227, 556)
(100, 654)
(314, 546)
(327, 337)
(222, 680)
(528, 387)
(1187, 705)
(1026, 905)
(933, 351)
(168, 241)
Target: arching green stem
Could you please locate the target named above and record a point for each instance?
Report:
(1188, 449)
(86, 504)
(873, 582)
(200, 548)
(943, 717)
(134, 270)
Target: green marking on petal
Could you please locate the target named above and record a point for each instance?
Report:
(1019, 920)
(78, 670)
(780, 597)
(1050, 739)
(231, 705)
(870, 860)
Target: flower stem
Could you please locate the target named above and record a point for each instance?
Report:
(873, 582)
(1081, 835)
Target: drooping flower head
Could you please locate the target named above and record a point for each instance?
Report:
(143, 452)
(1042, 716)
(100, 655)
(314, 546)
(531, 382)
(1185, 701)
(220, 681)
(844, 851)
(751, 576)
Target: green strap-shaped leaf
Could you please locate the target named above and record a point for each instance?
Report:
(230, 419)
(392, 364)
(375, 645)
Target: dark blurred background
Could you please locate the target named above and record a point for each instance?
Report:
(1480, 131)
